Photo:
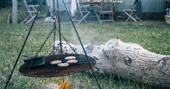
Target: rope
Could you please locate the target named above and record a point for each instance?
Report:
(10, 76)
(82, 45)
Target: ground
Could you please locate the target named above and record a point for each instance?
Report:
(154, 37)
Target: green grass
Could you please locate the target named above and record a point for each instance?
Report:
(155, 38)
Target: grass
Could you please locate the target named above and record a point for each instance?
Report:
(155, 38)
(151, 37)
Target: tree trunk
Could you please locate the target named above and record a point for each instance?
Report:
(127, 60)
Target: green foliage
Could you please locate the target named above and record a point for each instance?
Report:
(155, 38)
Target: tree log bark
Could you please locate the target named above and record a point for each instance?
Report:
(127, 60)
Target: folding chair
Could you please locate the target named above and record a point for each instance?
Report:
(82, 12)
(104, 12)
(131, 13)
(30, 11)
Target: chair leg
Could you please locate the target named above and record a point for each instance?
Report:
(28, 21)
(128, 19)
(138, 18)
(101, 18)
(98, 17)
(24, 20)
(111, 18)
(130, 16)
(84, 17)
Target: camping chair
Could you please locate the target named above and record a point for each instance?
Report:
(83, 12)
(104, 12)
(30, 11)
(131, 13)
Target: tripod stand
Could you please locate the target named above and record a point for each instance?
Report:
(56, 15)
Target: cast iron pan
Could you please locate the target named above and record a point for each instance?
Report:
(41, 66)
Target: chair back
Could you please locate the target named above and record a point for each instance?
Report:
(106, 5)
(29, 8)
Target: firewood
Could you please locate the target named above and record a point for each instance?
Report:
(127, 60)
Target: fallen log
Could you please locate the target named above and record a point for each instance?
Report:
(127, 60)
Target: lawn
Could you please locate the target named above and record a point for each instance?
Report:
(155, 38)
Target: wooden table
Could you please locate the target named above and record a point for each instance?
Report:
(96, 4)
